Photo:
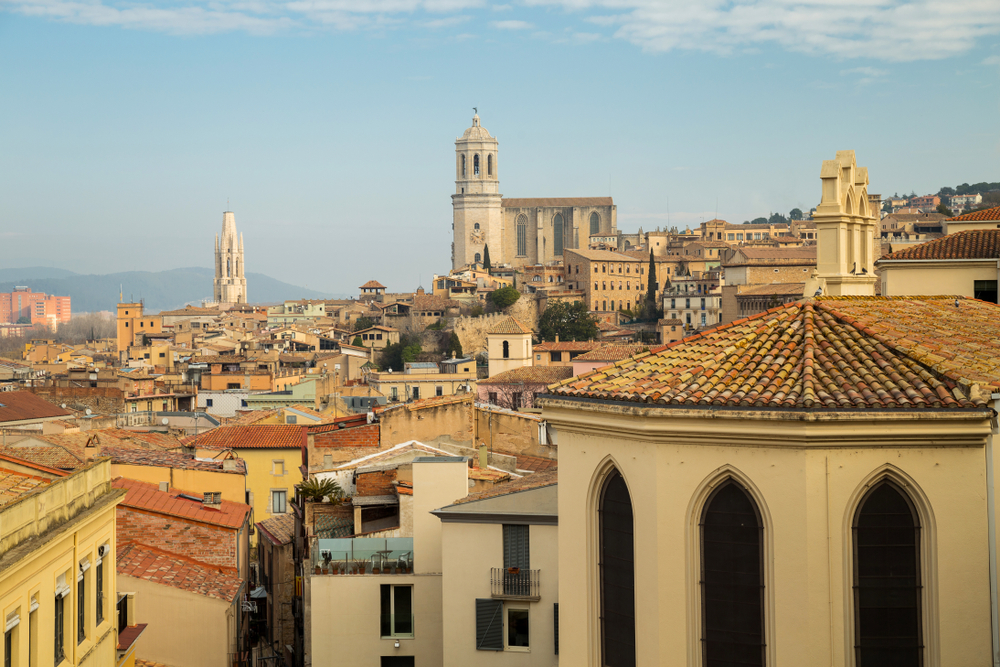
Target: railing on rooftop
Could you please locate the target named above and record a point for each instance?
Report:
(362, 555)
(515, 584)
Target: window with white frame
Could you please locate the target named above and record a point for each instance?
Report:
(397, 610)
(279, 498)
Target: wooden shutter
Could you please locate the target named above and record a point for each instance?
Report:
(516, 548)
(489, 625)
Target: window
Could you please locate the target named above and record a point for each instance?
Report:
(394, 393)
(463, 166)
(475, 165)
(243, 403)
(887, 586)
(291, 419)
(492, 397)
(476, 226)
(99, 593)
(489, 625)
(278, 467)
(397, 610)
(162, 354)
(985, 290)
(479, 258)
(278, 498)
(555, 356)
(59, 628)
(439, 390)
(595, 223)
(81, 608)
(208, 402)
(397, 661)
(506, 350)
(557, 234)
(522, 235)
(732, 579)
(617, 573)
(8, 647)
(489, 165)
(517, 629)
(416, 393)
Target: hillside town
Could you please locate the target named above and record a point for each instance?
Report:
(740, 443)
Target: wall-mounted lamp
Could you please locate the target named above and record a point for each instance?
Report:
(397, 643)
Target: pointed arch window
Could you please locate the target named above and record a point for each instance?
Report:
(732, 578)
(522, 236)
(475, 165)
(617, 573)
(887, 582)
(489, 165)
(557, 234)
(595, 223)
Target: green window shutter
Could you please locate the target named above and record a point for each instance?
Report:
(489, 625)
(516, 548)
(555, 627)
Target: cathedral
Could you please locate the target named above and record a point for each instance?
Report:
(519, 232)
(230, 280)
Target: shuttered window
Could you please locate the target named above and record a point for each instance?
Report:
(489, 625)
(732, 579)
(617, 572)
(887, 586)
(516, 550)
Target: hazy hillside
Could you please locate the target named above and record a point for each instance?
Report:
(162, 290)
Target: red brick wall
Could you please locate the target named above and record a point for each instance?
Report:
(377, 483)
(359, 436)
(201, 542)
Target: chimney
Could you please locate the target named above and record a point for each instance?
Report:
(483, 458)
(212, 500)
(164, 487)
(229, 464)
(557, 338)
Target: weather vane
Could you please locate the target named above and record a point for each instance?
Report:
(476, 110)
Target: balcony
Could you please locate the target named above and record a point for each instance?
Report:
(362, 555)
(515, 584)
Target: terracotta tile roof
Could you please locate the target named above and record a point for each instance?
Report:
(557, 201)
(23, 405)
(535, 481)
(612, 352)
(431, 302)
(279, 529)
(51, 456)
(14, 484)
(608, 255)
(148, 497)
(669, 322)
(569, 345)
(530, 375)
(255, 436)
(745, 256)
(373, 284)
(777, 289)
(142, 457)
(247, 417)
(971, 244)
(139, 662)
(170, 569)
(508, 325)
(984, 215)
(835, 352)
(535, 464)
(129, 635)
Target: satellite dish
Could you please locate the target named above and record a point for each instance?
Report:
(164, 421)
(88, 412)
(63, 406)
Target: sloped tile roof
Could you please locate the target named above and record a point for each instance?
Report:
(170, 569)
(247, 417)
(530, 375)
(508, 325)
(23, 405)
(49, 455)
(569, 346)
(143, 457)
(535, 464)
(148, 497)
(986, 214)
(535, 481)
(777, 289)
(280, 529)
(612, 352)
(557, 201)
(971, 244)
(254, 436)
(14, 484)
(373, 284)
(772, 256)
(835, 352)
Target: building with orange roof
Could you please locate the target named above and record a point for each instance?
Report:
(508, 345)
(827, 464)
(966, 263)
(987, 218)
(516, 389)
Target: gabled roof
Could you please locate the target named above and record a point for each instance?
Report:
(537, 480)
(612, 352)
(170, 459)
(984, 215)
(177, 571)
(972, 244)
(844, 353)
(278, 529)
(530, 375)
(24, 406)
(373, 284)
(254, 436)
(749, 256)
(569, 345)
(148, 497)
(508, 325)
(557, 201)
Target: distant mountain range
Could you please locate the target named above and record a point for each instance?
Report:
(162, 290)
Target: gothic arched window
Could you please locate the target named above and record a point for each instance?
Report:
(475, 165)
(479, 258)
(732, 578)
(595, 223)
(463, 167)
(476, 226)
(489, 165)
(522, 235)
(557, 235)
(506, 350)
(887, 586)
(617, 573)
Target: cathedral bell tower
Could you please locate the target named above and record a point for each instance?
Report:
(477, 218)
(230, 281)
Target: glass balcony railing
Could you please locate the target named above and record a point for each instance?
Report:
(362, 555)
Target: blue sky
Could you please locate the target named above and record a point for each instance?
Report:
(329, 125)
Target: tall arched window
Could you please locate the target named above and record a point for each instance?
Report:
(476, 226)
(522, 235)
(463, 167)
(887, 583)
(557, 235)
(595, 223)
(617, 573)
(506, 350)
(489, 165)
(732, 578)
(479, 258)
(475, 165)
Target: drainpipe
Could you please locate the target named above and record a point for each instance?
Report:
(991, 517)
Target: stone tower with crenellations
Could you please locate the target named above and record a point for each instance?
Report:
(230, 279)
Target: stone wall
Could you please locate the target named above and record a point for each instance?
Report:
(204, 543)
(472, 330)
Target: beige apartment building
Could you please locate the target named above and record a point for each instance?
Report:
(965, 263)
(613, 281)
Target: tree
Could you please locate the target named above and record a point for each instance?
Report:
(650, 310)
(486, 260)
(357, 342)
(946, 191)
(24, 319)
(759, 221)
(455, 346)
(570, 321)
(363, 322)
(318, 489)
(944, 210)
(795, 214)
(504, 298)
(396, 354)
(777, 219)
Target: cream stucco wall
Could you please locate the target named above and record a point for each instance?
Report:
(231, 485)
(807, 477)
(927, 277)
(469, 551)
(519, 349)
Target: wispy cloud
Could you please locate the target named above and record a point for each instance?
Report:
(992, 60)
(512, 25)
(447, 22)
(865, 75)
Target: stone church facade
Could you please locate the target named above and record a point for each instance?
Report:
(519, 232)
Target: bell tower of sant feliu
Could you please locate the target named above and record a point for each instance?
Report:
(477, 220)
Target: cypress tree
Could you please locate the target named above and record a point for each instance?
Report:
(651, 289)
(486, 260)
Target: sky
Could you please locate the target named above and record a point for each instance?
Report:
(328, 126)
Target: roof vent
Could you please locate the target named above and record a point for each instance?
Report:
(213, 499)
